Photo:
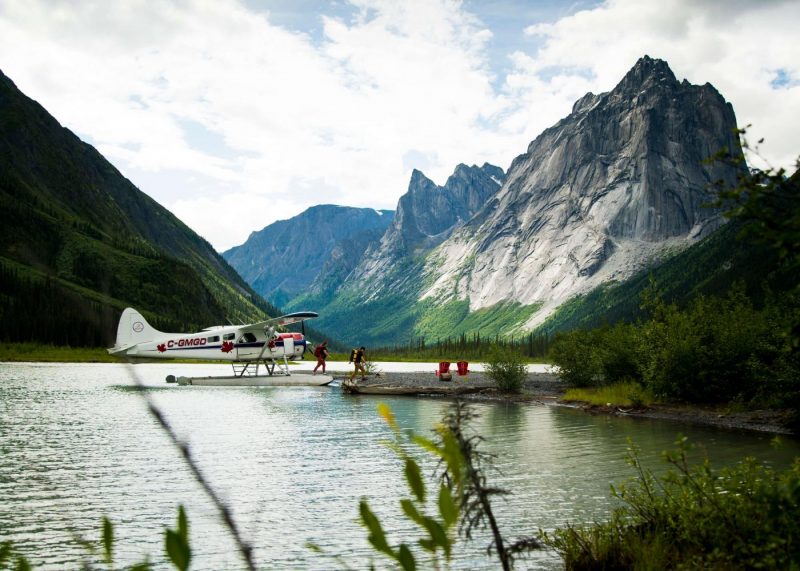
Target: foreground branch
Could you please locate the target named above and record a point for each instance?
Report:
(244, 548)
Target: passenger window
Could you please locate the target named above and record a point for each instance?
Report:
(247, 338)
(213, 339)
(229, 336)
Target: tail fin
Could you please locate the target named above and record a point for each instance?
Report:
(132, 329)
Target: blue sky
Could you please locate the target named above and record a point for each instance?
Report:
(237, 113)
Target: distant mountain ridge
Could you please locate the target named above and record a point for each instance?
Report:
(331, 245)
(80, 242)
(612, 189)
(322, 244)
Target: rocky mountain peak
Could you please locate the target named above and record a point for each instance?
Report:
(647, 72)
(476, 173)
(585, 103)
(462, 170)
(607, 191)
(420, 182)
(598, 195)
(428, 213)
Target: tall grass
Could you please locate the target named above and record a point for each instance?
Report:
(618, 394)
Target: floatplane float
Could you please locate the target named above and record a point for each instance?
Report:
(248, 348)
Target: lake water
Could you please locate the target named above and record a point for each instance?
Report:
(77, 443)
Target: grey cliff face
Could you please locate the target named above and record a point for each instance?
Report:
(345, 256)
(598, 196)
(639, 150)
(285, 258)
(607, 191)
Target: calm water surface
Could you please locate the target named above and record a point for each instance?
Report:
(77, 442)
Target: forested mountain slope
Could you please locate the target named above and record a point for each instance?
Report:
(79, 242)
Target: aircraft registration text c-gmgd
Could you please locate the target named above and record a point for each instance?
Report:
(186, 342)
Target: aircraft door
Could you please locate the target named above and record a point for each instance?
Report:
(245, 346)
(288, 347)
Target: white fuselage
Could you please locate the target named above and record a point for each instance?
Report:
(220, 343)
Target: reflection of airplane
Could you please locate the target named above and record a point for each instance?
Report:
(246, 346)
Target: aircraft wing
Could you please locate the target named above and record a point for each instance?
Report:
(287, 319)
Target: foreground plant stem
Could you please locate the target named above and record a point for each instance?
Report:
(476, 495)
(244, 548)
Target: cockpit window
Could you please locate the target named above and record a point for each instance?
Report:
(247, 338)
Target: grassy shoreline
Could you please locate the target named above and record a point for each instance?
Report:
(38, 352)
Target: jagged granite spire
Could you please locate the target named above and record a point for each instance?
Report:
(427, 214)
(646, 73)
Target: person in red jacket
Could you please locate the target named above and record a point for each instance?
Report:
(321, 353)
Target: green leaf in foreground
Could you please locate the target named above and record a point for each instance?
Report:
(414, 479)
(376, 535)
(411, 511)
(447, 506)
(177, 550)
(108, 540)
(176, 542)
(406, 558)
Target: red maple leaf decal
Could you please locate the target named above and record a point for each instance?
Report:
(161, 348)
(227, 346)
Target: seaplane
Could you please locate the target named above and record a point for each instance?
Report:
(247, 347)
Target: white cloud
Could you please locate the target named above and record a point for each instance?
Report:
(223, 214)
(287, 120)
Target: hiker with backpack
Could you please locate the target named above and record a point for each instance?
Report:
(358, 358)
(321, 353)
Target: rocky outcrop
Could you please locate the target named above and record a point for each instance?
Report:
(596, 197)
(323, 243)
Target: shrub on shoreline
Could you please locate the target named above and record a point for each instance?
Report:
(715, 350)
(693, 517)
(506, 367)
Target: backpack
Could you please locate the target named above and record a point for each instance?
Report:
(318, 351)
(353, 355)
